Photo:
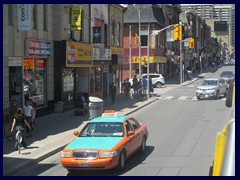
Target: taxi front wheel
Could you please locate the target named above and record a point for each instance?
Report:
(121, 161)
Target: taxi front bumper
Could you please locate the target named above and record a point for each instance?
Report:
(86, 164)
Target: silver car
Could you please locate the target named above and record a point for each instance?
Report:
(157, 79)
(227, 75)
(212, 87)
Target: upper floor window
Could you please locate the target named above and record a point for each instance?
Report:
(10, 14)
(45, 15)
(113, 33)
(34, 16)
(119, 35)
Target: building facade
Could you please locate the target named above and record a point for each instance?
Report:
(46, 60)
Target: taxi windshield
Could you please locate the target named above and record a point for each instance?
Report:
(103, 129)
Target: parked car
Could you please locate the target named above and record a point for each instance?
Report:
(105, 143)
(157, 79)
(232, 61)
(227, 75)
(212, 87)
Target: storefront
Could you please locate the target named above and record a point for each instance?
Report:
(99, 73)
(27, 75)
(71, 74)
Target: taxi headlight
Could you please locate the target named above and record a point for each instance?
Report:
(108, 154)
(66, 154)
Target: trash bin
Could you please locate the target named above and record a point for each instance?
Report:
(189, 74)
(95, 107)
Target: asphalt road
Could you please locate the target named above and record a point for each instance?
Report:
(181, 142)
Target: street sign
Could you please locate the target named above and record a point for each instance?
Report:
(183, 17)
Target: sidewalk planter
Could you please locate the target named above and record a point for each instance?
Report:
(95, 107)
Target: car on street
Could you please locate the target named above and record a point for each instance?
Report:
(227, 75)
(105, 143)
(232, 61)
(157, 79)
(212, 87)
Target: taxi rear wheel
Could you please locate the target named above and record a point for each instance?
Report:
(121, 161)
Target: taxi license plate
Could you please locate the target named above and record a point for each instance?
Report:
(83, 164)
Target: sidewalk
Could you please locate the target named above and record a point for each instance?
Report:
(55, 130)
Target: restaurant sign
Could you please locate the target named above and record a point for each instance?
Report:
(79, 55)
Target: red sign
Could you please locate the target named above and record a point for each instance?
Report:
(34, 48)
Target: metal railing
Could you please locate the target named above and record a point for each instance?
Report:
(224, 157)
(228, 165)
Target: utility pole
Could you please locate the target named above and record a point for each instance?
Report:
(139, 42)
(130, 51)
(181, 64)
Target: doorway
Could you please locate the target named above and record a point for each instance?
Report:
(15, 85)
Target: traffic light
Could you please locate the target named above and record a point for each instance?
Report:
(136, 39)
(191, 43)
(177, 32)
(143, 60)
(135, 59)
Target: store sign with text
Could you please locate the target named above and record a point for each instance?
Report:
(38, 48)
(79, 55)
(24, 17)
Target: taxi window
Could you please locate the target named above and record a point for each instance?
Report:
(128, 126)
(135, 124)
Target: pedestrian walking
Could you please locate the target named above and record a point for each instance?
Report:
(113, 92)
(128, 88)
(19, 121)
(28, 112)
(124, 89)
(33, 104)
(135, 87)
(151, 86)
(12, 113)
(144, 83)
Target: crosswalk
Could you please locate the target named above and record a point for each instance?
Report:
(182, 98)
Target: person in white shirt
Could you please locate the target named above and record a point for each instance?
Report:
(28, 111)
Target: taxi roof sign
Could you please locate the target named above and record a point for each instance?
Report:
(109, 113)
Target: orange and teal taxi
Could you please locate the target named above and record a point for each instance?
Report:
(105, 143)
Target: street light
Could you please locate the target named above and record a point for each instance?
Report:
(154, 33)
(139, 41)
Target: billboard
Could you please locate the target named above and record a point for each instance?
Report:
(220, 26)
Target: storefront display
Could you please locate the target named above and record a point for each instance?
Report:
(35, 80)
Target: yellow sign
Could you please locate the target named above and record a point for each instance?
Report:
(152, 59)
(117, 50)
(76, 13)
(79, 55)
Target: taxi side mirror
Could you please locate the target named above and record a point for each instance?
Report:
(75, 133)
(131, 133)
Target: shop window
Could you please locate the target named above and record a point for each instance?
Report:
(35, 80)
(96, 79)
(68, 79)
